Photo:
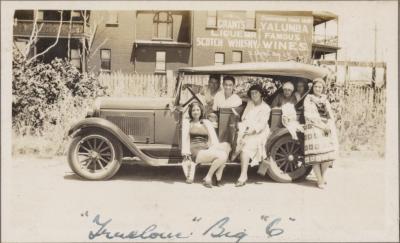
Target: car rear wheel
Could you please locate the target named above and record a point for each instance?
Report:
(95, 156)
(287, 160)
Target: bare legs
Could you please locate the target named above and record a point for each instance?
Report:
(324, 167)
(317, 172)
(218, 157)
(244, 165)
(217, 165)
(320, 171)
(219, 172)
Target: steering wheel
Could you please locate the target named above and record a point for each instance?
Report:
(194, 96)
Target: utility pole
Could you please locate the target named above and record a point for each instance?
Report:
(374, 67)
(375, 31)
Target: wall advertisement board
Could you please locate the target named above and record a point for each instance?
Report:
(274, 38)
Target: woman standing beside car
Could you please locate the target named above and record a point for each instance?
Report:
(320, 141)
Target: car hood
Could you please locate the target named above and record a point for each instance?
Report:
(134, 103)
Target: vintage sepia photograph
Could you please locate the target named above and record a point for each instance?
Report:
(191, 121)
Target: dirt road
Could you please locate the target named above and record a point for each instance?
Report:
(44, 201)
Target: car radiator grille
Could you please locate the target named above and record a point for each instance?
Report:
(141, 128)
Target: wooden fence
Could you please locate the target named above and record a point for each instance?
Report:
(121, 84)
(364, 94)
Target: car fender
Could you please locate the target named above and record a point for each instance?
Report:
(274, 136)
(106, 125)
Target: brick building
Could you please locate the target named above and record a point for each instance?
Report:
(163, 41)
(157, 41)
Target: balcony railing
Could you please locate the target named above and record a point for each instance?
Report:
(50, 28)
(326, 40)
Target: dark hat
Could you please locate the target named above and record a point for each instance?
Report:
(255, 87)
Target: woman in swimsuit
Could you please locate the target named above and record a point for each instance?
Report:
(200, 145)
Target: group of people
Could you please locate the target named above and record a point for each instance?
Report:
(289, 95)
(200, 144)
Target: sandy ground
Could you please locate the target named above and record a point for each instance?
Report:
(44, 201)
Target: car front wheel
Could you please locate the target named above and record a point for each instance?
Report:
(95, 156)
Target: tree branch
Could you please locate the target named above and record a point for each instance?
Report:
(33, 32)
(16, 47)
(33, 35)
(54, 44)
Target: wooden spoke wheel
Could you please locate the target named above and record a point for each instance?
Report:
(287, 160)
(95, 156)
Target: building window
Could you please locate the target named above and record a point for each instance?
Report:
(40, 15)
(160, 61)
(76, 16)
(21, 45)
(76, 58)
(105, 57)
(112, 19)
(53, 15)
(236, 57)
(250, 20)
(212, 19)
(162, 25)
(219, 58)
(24, 14)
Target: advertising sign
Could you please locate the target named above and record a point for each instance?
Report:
(275, 37)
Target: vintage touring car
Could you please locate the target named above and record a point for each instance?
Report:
(149, 129)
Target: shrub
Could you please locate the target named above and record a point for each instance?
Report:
(360, 119)
(47, 99)
(268, 85)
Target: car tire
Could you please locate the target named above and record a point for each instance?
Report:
(287, 160)
(95, 155)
